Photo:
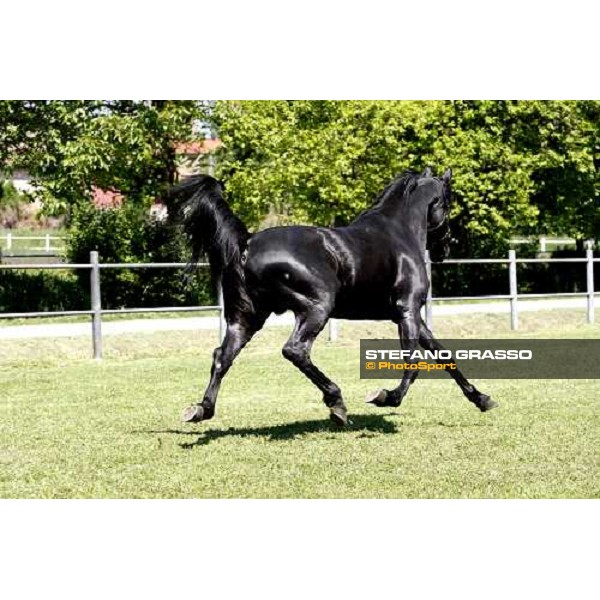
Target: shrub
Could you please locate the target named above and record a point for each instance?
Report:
(129, 234)
(10, 202)
(34, 291)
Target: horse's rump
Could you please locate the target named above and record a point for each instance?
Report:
(288, 267)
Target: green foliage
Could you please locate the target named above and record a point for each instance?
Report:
(519, 167)
(126, 234)
(70, 146)
(119, 235)
(10, 197)
(33, 291)
(11, 204)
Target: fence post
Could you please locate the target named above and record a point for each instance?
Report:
(9, 241)
(96, 305)
(211, 164)
(47, 246)
(333, 330)
(429, 300)
(512, 279)
(591, 309)
(222, 322)
(543, 244)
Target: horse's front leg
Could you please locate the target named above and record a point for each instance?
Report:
(482, 401)
(237, 336)
(409, 322)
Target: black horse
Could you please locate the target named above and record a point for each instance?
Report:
(373, 268)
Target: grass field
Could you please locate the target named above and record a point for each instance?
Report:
(73, 428)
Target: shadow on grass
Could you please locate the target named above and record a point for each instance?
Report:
(365, 424)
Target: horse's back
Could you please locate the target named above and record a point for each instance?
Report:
(300, 247)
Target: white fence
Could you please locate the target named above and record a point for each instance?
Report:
(47, 240)
(544, 242)
(52, 243)
(96, 311)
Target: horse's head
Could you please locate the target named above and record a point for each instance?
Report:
(408, 196)
(438, 216)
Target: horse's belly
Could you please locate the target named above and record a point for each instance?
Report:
(365, 303)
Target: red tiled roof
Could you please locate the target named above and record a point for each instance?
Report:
(106, 198)
(200, 147)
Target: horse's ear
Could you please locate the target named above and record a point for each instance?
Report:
(448, 175)
(427, 172)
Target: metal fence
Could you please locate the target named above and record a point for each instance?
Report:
(513, 296)
(96, 311)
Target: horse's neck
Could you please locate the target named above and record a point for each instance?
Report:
(409, 219)
(413, 214)
(402, 211)
(400, 222)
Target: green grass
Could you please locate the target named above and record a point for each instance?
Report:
(70, 427)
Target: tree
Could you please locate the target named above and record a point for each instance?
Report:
(564, 138)
(70, 146)
(519, 167)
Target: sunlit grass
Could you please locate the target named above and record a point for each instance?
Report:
(72, 427)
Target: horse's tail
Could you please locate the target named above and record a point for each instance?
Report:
(212, 228)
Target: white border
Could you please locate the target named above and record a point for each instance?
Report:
(298, 549)
(264, 49)
(258, 49)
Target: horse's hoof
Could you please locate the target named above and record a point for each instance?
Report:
(339, 416)
(193, 414)
(486, 403)
(377, 398)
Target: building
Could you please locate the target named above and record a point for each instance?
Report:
(196, 157)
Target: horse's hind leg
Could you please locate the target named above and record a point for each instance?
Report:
(482, 401)
(297, 350)
(238, 334)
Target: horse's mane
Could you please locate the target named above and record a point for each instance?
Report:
(401, 184)
(397, 187)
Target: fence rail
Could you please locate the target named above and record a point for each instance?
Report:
(96, 311)
(10, 239)
(544, 241)
(513, 296)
